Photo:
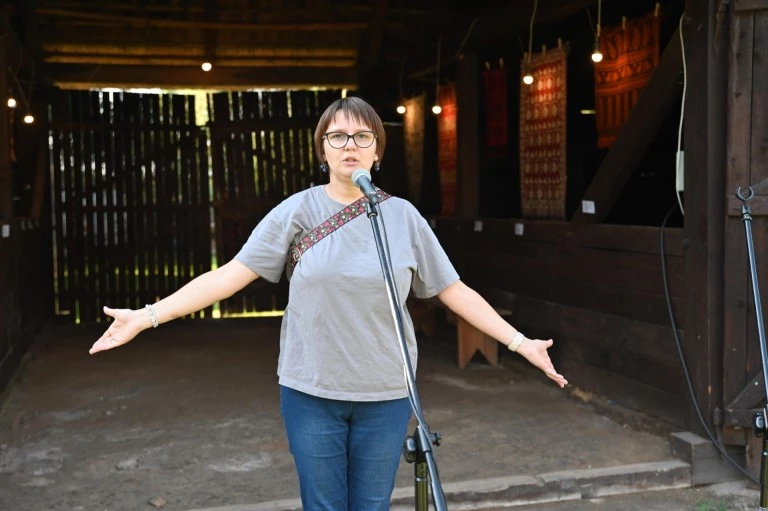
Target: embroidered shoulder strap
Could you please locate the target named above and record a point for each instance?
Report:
(326, 228)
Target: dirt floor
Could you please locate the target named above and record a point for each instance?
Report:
(187, 417)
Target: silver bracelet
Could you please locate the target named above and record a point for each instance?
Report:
(152, 315)
(517, 340)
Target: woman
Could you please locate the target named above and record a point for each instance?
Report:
(343, 396)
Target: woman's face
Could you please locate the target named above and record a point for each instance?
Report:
(343, 161)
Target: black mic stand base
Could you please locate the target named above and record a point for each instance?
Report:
(413, 452)
(759, 425)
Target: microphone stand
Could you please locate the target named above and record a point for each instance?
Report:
(418, 447)
(760, 419)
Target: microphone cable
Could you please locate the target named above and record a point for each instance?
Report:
(680, 353)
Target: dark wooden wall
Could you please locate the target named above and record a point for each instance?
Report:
(746, 165)
(26, 291)
(596, 290)
(26, 285)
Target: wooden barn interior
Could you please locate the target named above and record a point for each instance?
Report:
(126, 169)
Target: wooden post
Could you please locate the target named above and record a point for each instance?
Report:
(6, 183)
(706, 49)
(466, 135)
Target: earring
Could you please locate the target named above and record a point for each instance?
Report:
(377, 166)
(324, 168)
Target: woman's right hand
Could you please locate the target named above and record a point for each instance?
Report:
(126, 324)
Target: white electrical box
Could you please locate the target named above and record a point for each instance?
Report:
(680, 172)
(519, 229)
(478, 225)
(6, 231)
(588, 206)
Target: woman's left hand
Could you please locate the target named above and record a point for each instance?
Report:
(535, 351)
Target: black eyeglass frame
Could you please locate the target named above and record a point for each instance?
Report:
(352, 136)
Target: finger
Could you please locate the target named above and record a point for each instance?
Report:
(109, 312)
(105, 342)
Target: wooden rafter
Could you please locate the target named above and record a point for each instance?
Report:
(173, 60)
(223, 78)
(196, 50)
(216, 25)
(637, 133)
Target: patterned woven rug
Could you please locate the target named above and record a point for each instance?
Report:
(495, 89)
(543, 137)
(413, 132)
(446, 141)
(630, 55)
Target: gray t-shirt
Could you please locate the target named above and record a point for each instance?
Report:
(338, 338)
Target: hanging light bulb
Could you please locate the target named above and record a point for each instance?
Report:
(597, 55)
(29, 119)
(436, 108)
(207, 66)
(401, 109)
(11, 103)
(528, 78)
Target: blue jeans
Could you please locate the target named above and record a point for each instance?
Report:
(346, 452)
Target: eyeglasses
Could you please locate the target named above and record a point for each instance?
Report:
(339, 139)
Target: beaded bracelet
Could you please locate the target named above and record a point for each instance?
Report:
(517, 340)
(152, 315)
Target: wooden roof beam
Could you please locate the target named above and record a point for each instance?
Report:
(221, 78)
(216, 25)
(641, 128)
(18, 56)
(175, 61)
(195, 50)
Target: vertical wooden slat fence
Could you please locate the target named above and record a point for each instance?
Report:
(262, 152)
(145, 199)
(131, 201)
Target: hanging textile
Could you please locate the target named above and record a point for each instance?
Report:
(495, 88)
(630, 55)
(413, 131)
(543, 137)
(446, 142)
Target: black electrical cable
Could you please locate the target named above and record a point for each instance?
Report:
(679, 346)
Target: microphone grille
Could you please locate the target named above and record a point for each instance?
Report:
(356, 175)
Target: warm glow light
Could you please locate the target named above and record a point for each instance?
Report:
(436, 109)
(597, 55)
(528, 79)
(401, 109)
(207, 66)
(11, 103)
(29, 119)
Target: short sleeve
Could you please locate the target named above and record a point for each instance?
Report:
(266, 250)
(434, 271)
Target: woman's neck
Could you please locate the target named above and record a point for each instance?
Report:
(346, 193)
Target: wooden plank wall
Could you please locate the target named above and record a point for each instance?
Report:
(146, 196)
(596, 289)
(26, 291)
(262, 151)
(131, 203)
(747, 154)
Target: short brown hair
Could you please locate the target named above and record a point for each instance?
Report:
(356, 109)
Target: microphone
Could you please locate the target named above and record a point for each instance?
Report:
(362, 178)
